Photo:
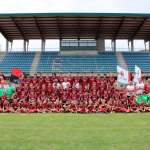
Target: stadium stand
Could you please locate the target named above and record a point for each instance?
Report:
(104, 62)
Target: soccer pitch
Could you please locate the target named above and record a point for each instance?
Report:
(75, 131)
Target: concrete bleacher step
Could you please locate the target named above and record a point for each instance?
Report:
(121, 61)
(35, 63)
(2, 56)
(56, 65)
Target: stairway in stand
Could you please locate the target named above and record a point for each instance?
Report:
(2, 56)
(35, 63)
(121, 61)
(56, 65)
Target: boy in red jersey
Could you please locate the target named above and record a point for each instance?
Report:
(73, 107)
(57, 106)
(147, 87)
(102, 109)
(81, 108)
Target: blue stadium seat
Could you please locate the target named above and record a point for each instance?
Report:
(101, 63)
(104, 62)
(20, 60)
(142, 59)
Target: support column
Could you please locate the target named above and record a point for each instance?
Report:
(59, 43)
(100, 44)
(78, 42)
(24, 46)
(7, 46)
(27, 46)
(60, 40)
(11, 45)
(113, 45)
(43, 45)
(132, 46)
(149, 46)
(145, 44)
(129, 45)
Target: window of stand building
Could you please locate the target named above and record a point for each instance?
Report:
(87, 42)
(69, 42)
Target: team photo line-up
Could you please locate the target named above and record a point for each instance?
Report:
(75, 93)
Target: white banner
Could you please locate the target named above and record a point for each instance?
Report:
(123, 76)
(138, 74)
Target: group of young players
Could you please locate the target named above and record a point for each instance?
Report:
(75, 94)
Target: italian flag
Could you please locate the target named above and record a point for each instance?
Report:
(145, 98)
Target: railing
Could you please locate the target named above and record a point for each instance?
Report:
(33, 49)
(78, 43)
(77, 48)
(56, 49)
(126, 49)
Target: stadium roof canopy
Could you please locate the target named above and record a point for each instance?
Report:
(75, 25)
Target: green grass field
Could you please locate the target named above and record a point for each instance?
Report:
(75, 131)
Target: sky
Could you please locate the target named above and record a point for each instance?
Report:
(98, 6)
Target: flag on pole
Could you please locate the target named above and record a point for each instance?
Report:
(16, 72)
(123, 76)
(138, 74)
(15, 75)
